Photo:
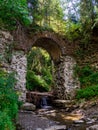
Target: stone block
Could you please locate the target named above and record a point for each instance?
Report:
(28, 106)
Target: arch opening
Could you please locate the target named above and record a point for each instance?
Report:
(39, 70)
(51, 46)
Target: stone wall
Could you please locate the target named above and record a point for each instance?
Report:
(19, 65)
(66, 82)
(16, 61)
(6, 41)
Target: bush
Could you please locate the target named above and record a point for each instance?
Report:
(8, 101)
(87, 92)
(36, 82)
(13, 11)
(87, 75)
(5, 122)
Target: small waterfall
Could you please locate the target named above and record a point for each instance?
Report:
(44, 103)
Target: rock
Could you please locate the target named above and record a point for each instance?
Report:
(38, 129)
(28, 106)
(90, 121)
(94, 127)
(57, 127)
(63, 103)
(78, 121)
(46, 107)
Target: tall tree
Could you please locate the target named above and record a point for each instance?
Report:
(87, 17)
(13, 11)
(46, 13)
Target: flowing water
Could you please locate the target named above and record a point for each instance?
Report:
(47, 116)
(61, 117)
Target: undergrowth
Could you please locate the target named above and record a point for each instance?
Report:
(88, 77)
(8, 101)
(88, 92)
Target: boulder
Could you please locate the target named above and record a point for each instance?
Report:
(28, 106)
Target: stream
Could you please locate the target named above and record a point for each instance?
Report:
(71, 121)
(48, 117)
(49, 120)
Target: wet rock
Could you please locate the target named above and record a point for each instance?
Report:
(46, 107)
(57, 127)
(90, 121)
(78, 121)
(38, 129)
(94, 127)
(28, 106)
(63, 103)
(79, 111)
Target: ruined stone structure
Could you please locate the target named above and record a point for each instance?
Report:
(15, 47)
(61, 53)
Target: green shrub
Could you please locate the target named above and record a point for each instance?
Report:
(87, 92)
(88, 76)
(36, 82)
(5, 122)
(13, 12)
(8, 101)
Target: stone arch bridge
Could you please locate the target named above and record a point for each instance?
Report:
(61, 52)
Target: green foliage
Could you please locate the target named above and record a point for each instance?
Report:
(37, 28)
(39, 75)
(36, 82)
(47, 76)
(5, 122)
(72, 30)
(8, 101)
(14, 11)
(48, 14)
(88, 92)
(88, 76)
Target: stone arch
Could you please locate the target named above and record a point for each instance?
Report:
(50, 41)
(65, 83)
(50, 46)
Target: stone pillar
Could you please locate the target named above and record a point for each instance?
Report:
(19, 65)
(66, 82)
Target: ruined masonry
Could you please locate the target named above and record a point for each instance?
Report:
(19, 65)
(65, 81)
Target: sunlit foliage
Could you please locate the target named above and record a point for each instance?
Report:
(39, 72)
